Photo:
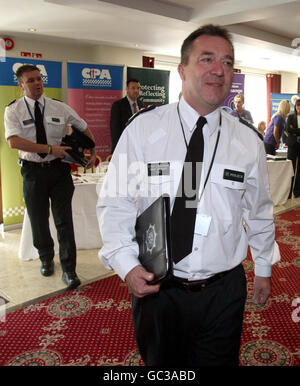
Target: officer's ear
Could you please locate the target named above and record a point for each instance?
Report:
(181, 71)
(20, 83)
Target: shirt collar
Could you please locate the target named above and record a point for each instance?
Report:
(131, 101)
(190, 116)
(31, 102)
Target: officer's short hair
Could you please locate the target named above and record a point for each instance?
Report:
(241, 97)
(25, 68)
(208, 29)
(133, 80)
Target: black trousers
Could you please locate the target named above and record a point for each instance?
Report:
(179, 328)
(42, 186)
(294, 156)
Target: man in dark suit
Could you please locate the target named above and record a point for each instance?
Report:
(123, 109)
(293, 143)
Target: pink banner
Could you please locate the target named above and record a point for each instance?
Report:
(92, 89)
(94, 107)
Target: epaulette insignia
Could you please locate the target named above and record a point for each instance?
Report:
(58, 100)
(11, 102)
(141, 111)
(251, 127)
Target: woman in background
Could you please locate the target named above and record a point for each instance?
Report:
(276, 127)
(293, 142)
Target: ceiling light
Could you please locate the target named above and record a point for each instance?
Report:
(32, 29)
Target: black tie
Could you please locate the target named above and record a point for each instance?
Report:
(40, 129)
(185, 205)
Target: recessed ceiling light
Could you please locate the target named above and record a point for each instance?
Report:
(32, 29)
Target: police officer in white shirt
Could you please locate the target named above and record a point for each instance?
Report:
(45, 177)
(195, 317)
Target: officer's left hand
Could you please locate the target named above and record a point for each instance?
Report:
(262, 289)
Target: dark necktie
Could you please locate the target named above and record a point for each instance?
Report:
(134, 108)
(40, 129)
(185, 205)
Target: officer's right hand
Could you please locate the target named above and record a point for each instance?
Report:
(60, 151)
(137, 279)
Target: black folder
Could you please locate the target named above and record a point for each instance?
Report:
(153, 236)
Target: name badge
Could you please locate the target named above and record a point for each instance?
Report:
(55, 120)
(233, 175)
(28, 122)
(159, 169)
(202, 224)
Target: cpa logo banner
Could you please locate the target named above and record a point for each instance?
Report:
(49, 71)
(92, 76)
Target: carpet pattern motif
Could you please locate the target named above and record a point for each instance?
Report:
(92, 326)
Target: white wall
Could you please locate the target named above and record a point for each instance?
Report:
(289, 83)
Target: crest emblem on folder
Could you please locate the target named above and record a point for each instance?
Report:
(150, 238)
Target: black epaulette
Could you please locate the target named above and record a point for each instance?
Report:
(251, 127)
(141, 111)
(11, 102)
(58, 100)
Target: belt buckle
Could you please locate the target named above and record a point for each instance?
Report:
(189, 287)
(45, 164)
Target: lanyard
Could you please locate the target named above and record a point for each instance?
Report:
(30, 113)
(215, 149)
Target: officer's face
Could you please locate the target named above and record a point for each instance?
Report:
(207, 78)
(32, 84)
(133, 90)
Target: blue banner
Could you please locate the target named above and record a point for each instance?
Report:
(94, 76)
(276, 98)
(50, 71)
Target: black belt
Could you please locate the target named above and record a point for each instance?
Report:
(45, 164)
(194, 285)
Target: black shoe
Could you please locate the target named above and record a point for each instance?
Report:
(71, 280)
(47, 268)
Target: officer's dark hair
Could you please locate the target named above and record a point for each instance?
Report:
(25, 68)
(208, 29)
(132, 80)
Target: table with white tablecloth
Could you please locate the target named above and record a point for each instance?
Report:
(86, 229)
(280, 178)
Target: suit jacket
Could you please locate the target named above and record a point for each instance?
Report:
(119, 115)
(293, 130)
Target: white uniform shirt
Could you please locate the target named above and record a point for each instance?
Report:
(57, 115)
(156, 136)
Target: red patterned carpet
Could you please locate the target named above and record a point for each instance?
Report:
(91, 326)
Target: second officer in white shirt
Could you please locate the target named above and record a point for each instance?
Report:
(45, 178)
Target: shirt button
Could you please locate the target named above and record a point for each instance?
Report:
(196, 249)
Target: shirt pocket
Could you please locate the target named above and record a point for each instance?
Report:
(55, 126)
(160, 180)
(229, 176)
(29, 129)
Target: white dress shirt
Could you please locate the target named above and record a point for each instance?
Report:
(131, 102)
(156, 137)
(19, 120)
